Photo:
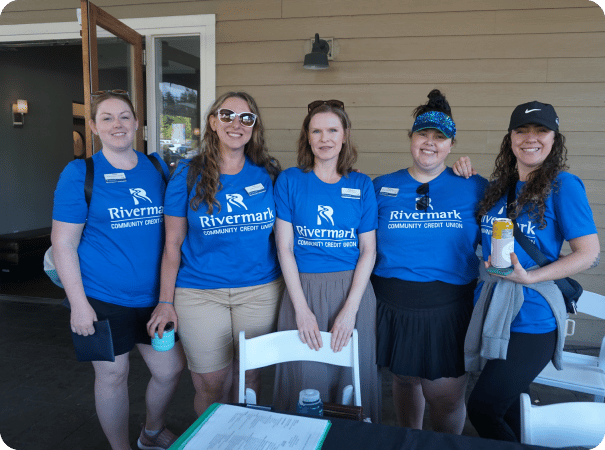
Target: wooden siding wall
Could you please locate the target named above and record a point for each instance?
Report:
(486, 55)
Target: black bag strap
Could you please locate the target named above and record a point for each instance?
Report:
(89, 180)
(527, 245)
(530, 248)
(90, 176)
(158, 166)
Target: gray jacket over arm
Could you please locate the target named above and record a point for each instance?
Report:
(489, 330)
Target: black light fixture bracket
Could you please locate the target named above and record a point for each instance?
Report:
(318, 58)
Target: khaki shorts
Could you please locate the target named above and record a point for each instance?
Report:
(210, 321)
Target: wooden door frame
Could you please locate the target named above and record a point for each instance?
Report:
(91, 17)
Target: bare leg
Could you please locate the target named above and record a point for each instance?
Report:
(166, 369)
(211, 388)
(446, 399)
(253, 381)
(111, 400)
(409, 401)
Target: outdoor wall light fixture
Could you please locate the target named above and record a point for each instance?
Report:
(19, 109)
(318, 58)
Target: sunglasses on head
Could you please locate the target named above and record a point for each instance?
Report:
(333, 103)
(247, 119)
(424, 201)
(110, 91)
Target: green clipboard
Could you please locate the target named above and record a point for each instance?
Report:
(182, 441)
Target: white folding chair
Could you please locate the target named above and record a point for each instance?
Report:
(562, 424)
(286, 346)
(581, 373)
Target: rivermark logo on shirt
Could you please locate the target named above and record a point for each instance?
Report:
(235, 200)
(325, 212)
(528, 229)
(139, 194)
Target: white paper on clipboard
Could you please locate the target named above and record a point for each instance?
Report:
(238, 428)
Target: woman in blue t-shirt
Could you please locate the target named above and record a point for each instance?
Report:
(550, 206)
(326, 241)
(108, 258)
(426, 270)
(220, 273)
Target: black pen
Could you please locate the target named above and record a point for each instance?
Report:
(262, 408)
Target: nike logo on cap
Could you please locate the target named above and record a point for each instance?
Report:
(527, 111)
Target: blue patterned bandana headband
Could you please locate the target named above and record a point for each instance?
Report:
(437, 120)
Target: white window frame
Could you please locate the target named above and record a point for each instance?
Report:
(203, 25)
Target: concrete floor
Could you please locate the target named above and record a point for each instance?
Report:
(46, 395)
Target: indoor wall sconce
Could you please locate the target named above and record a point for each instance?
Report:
(19, 109)
(318, 58)
(196, 132)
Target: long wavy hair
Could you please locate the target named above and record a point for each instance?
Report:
(539, 185)
(207, 162)
(436, 102)
(348, 153)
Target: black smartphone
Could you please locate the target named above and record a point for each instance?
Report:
(500, 270)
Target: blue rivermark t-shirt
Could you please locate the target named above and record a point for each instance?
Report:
(233, 247)
(121, 245)
(568, 216)
(436, 245)
(326, 218)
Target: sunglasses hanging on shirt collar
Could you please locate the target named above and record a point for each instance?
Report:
(423, 202)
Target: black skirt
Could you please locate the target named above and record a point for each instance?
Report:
(421, 326)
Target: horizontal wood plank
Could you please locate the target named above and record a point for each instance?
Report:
(386, 72)
(35, 11)
(576, 70)
(549, 20)
(595, 190)
(310, 8)
(441, 24)
(571, 45)
(414, 94)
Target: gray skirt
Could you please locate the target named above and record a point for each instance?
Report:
(326, 294)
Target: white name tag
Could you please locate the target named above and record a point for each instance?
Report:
(115, 177)
(351, 193)
(255, 189)
(389, 192)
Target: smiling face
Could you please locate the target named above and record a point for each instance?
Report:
(232, 136)
(429, 149)
(115, 124)
(326, 136)
(531, 144)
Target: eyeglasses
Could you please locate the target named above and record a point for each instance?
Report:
(110, 91)
(247, 119)
(423, 202)
(333, 103)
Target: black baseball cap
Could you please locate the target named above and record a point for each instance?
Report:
(534, 112)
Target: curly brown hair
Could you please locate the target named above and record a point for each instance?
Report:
(540, 183)
(348, 154)
(207, 162)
